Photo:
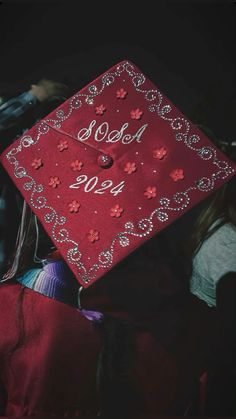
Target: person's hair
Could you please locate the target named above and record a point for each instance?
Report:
(55, 89)
(220, 207)
(32, 245)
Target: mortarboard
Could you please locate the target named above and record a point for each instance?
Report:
(111, 167)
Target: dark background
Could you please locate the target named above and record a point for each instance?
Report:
(187, 48)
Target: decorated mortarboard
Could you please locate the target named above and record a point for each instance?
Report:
(111, 167)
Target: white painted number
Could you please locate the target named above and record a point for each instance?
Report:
(80, 179)
(94, 181)
(90, 184)
(118, 188)
(104, 185)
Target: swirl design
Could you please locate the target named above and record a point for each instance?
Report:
(144, 227)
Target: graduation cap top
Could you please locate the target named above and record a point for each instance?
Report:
(111, 167)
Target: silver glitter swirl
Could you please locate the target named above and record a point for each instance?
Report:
(151, 95)
(192, 140)
(105, 258)
(20, 172)
(89, 100)
(144, 227)
(39, 202)
(49, 217)
(108, 79)
(74, 255)
(43, 128)
(28, 185)
(162, 216)
(129, 226)
(138, 80)
(93, 89)
(164, 201)
(27, 141)
(205, 184)
(123, 240)
(165, 109)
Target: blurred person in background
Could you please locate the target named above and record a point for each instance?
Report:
(17, 114)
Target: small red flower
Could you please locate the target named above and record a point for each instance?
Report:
(100, 110)
(121, 93)
(63, 145)
(74, 206)
(150, 192)
(116, 211)
(93, 235)
(130, 167)
(177, 174)
(76, 165)
(37, 163)
(159, 153)
(136, 114)
(54, 181)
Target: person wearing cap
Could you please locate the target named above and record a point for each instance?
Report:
(105, 356)
(14, 109)
(213, 283)
(17, 114)
(94, 318)
(214, 244)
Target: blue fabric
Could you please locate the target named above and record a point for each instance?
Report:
(15, 108)
(54, 280)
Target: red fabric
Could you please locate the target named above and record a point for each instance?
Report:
(53, 370)
(47, 373)
(49, 360)
(98, 211)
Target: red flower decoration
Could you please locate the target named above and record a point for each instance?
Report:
(63, 145)
(121, 93)
(136, 114)
(54, 181)
(177, 174)
(130, 167)
(100, 110)
(76, 165)
(150, 192)
(93, 236)
(116, 211)
(74, 206)
(37, 163)
(159, 153)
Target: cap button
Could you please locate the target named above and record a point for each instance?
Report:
(105, 160)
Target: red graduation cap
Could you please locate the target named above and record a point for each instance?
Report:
(111, 167)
